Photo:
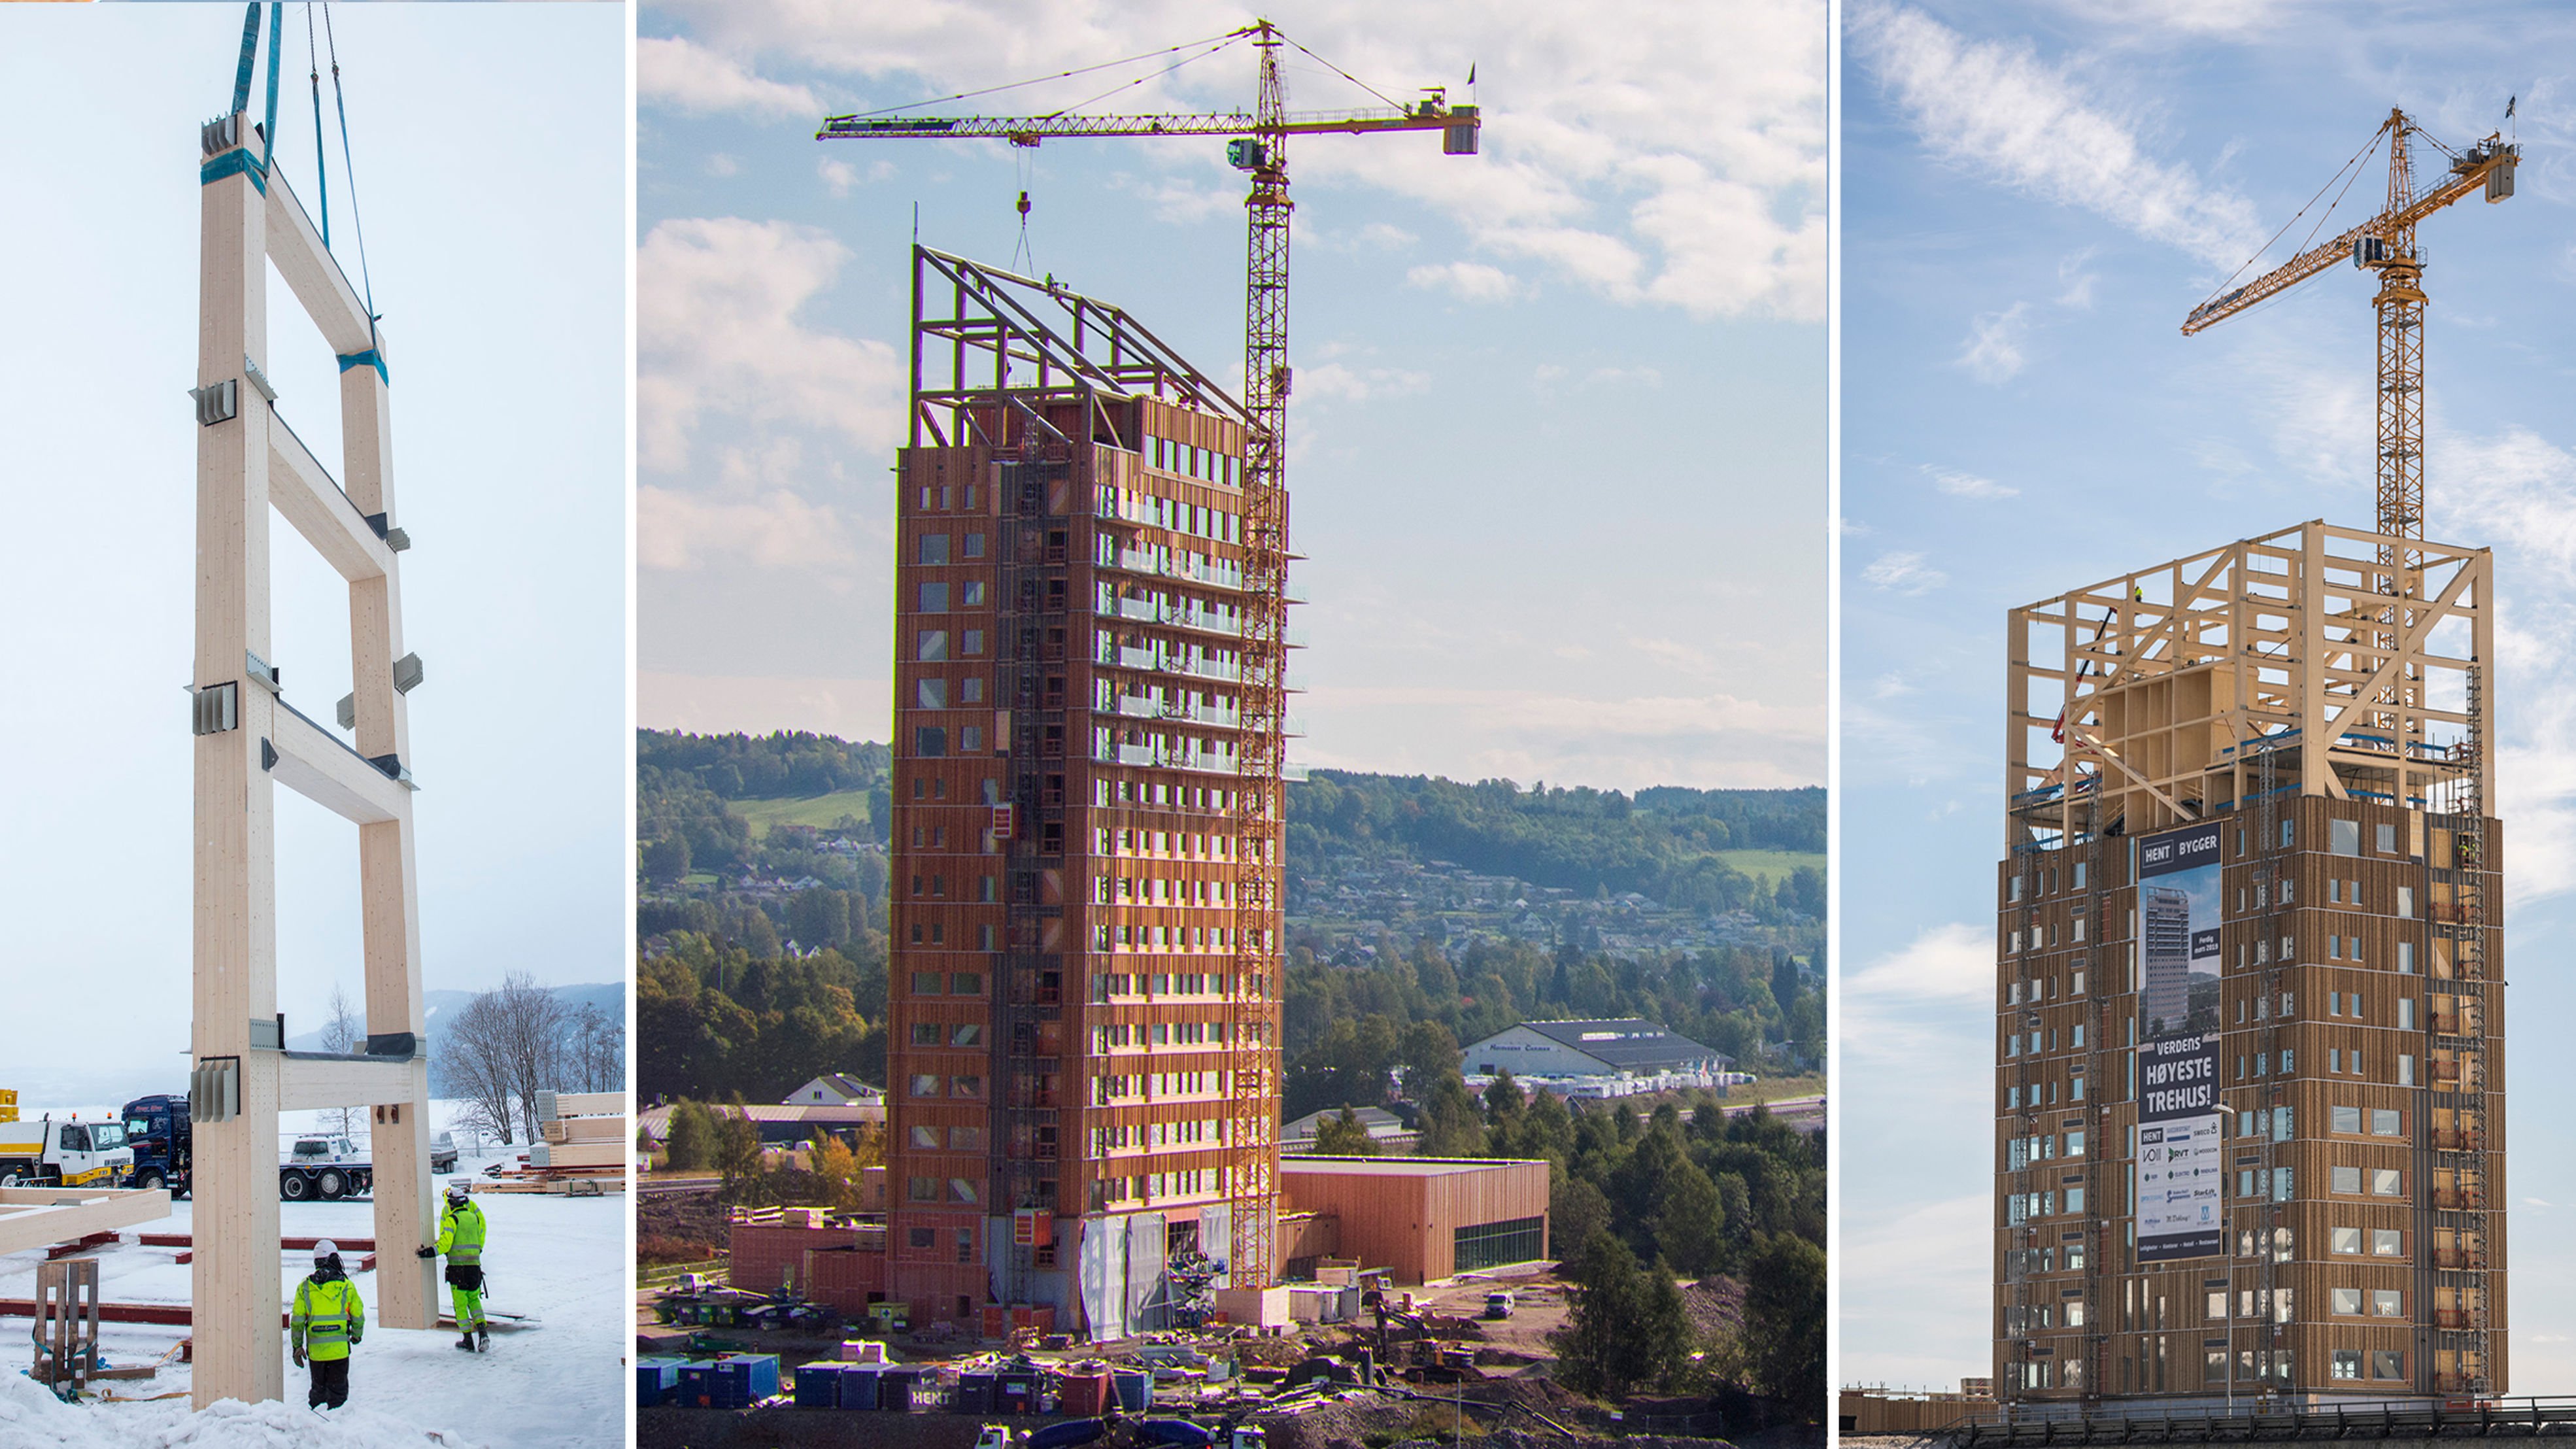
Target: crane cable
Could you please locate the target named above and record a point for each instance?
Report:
(321, 167)
(1059, 75)
(340, 99)
(2352, 166)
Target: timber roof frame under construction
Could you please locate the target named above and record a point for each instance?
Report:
(2163, 685)
(1005, 338)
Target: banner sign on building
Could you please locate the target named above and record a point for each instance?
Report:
(2178, 920)
(2181, 1172)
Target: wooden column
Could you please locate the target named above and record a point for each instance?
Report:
(234, 1280)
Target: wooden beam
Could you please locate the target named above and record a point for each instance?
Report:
(306, 1082)
(316, 765)
(314, 278)
(38, 1217)
(305, 496)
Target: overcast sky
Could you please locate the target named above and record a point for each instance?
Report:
(490, 164)
(1558, 436)
(2034, 197)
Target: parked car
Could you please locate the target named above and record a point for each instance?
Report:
(442, 1153)
(1498, 1305)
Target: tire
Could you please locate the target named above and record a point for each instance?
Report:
(12, 1177)
(294, 1186)
(148, 1181)
(332, 1184)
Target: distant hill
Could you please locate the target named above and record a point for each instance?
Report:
(441, 1007)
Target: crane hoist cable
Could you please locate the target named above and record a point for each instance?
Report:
(1059, 75)
(321, 163)
(349, 160)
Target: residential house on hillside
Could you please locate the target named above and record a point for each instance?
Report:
(835, 1089)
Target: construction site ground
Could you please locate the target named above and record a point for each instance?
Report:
(1513, 1362)
(558, 1261)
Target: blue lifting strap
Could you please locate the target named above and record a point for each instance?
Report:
(370, 357)
(250, 48)
(276, 43)
(321, 163)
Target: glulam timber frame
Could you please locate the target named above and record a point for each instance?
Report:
(2156, 688)
(991, 349)
(249, 739)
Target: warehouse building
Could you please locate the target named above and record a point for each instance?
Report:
(1620, 1047)
(1424, 1218)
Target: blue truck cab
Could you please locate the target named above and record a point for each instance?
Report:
(157, 1129)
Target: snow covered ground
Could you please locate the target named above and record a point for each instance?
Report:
(560, 1384)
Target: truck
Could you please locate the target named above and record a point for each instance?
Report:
(47, 1153)
(329, 1168)
(156, 1129)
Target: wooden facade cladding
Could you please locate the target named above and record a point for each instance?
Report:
(1403, 1214)
(1068, 629)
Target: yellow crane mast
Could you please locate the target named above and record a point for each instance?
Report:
(2386, 244)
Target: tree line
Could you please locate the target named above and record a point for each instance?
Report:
(519, 1039)
(1662, 843)
(716, 1022)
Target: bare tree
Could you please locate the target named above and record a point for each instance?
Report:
(533, 1021)
(346, 1032)
(596, 1056)
(476, 1048)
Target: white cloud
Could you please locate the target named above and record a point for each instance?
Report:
(1949, 965)
(1359, 384)
(1996, 109)
(773, 530)
(1903, 572)
(1992, 353)
(1469, 281)
(1713, 741)
(672, 72)
(1967, 485)
(717, 332)
(1607, 155)
(841, 178)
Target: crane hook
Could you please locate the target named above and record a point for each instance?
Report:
(1024, 203)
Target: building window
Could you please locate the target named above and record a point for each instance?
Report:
(2344, 1180)
(2344, 1119)
(967, 1034)
(2385, 1122)
(926, 1138)
(970, 740)
(1490, 1245)
(2347, 1361)
(2405, 958)
(925, 1085)
(931, 646)
(966, 983)
(965, 1139)
(2387, 839)
(961, 1189)
(934, 596)
(2405, 1070)
(971, 594)
(2347, 1301)
(2387, 1243)
(973, 645)
(974, 545)
(925, 1033)
(922, 1240)
(929, 742)
(2387, 1303)
(934, 549)
(922, 1189)
(2387, 1182)
(930, 692)
(2388, 1363)
(2347, 1240)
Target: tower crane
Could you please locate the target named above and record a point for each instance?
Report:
(1257, 146)
(2386, 244)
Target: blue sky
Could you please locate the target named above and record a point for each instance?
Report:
(2034, 197)
(490, 149)
(1558, 439)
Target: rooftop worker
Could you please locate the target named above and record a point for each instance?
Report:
(329, 1320)
(460, 1237)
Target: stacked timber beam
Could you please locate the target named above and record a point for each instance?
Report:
(582, 1138)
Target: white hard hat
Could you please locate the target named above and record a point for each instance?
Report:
(456, 1190)
(325, 1249)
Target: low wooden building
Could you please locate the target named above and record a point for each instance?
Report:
(1424, 1218)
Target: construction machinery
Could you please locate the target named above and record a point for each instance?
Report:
(1257, 146)
(2385, 244)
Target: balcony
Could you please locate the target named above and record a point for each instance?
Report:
(1139, 706)
(1129, 658)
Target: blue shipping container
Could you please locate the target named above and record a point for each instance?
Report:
(858, 1388)
(818, 1386)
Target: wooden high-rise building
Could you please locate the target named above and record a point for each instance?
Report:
(1084, 964)
(2249, 1110)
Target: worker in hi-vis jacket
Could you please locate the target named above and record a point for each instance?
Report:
(329, 1320)
(460, 1237)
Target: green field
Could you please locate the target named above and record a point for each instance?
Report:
(822, 811)
(1766, 865)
